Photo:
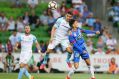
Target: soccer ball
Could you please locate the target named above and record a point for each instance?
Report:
(52, 5)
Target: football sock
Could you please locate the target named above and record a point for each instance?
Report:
(68, 57)
(27, 73)
(21, 72)
(91, 69)
(45, 58)
(71, 72)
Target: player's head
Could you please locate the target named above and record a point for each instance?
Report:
(68, 16)
(27, 29)
(73, 23)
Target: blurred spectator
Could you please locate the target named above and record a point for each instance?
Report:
(75, 14)
(63, 8)
(81, 19)
(43, 47)
(11, 23)
(32, 3)
(9, 47)
(14, 38)
(100, 43)
(85, 12)
(20, 24)
(1, 47)
(3, 22)
(34, 20)
(111, 42)
(26, 18)
(97, 26)
(104, 36)
(56, 14)
(113, 67)
(9, 64)
(17, 3)
(114, 14)
(51, 20)
(90, 20)
(89, 46)
(44, 18)
(99, 51)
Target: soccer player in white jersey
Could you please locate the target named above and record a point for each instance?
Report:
(59, 35)
(26, 40)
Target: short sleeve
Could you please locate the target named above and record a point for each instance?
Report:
(34, 39)
(19, 39)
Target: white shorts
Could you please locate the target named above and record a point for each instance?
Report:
(25, 56)
(64, 43)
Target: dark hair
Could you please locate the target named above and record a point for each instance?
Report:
(71, 22)
(69, 12)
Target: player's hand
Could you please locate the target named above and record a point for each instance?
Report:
(97, 32)
(39, 51)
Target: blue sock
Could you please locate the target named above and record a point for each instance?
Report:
(68, 57)
(27, 73)
(21, 72)
(45, 58)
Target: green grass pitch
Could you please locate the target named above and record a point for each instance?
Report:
(59, 76)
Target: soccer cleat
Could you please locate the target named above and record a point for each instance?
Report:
(67, 77)
(42, 66)
(69, 64)
(32, 77)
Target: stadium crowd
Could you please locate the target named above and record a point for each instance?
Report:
(105, 44)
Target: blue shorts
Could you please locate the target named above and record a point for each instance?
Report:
(78, 54)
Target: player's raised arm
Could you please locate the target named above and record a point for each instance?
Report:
(89, 31)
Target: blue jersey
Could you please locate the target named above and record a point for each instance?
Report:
(78, 42)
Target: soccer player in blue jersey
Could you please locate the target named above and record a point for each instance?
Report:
(59, 35)
(79, 48)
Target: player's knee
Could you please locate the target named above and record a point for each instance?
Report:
(22, 65)
(48, 51)
(69, 50)
(87, 61)
(76, 65)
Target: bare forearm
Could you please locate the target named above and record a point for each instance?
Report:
(53, 32)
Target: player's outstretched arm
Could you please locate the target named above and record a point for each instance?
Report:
(90, 31)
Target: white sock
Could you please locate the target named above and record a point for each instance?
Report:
(71, 72)
(91, 69)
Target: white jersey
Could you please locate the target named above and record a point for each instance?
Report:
(27, 42)
(62, 29)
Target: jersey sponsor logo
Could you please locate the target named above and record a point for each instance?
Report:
(65, 26)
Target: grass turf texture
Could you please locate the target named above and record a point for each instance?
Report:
(59, 76)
